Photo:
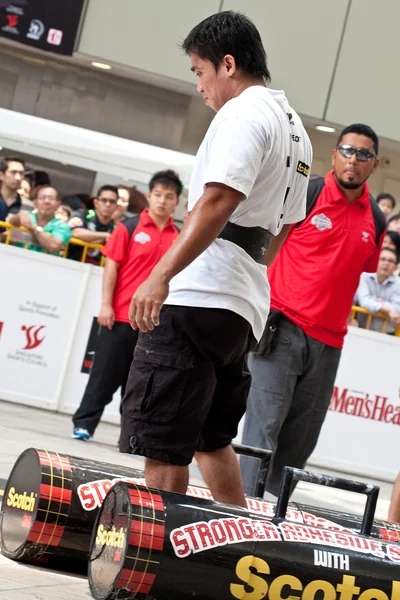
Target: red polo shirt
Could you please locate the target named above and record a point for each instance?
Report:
(136, 256)
(317, 271)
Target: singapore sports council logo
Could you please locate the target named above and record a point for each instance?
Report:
(32, 336)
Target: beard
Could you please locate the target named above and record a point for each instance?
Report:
(349, 185)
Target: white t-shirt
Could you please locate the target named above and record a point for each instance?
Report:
(256, 144)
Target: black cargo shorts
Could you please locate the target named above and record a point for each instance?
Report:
(188, 384)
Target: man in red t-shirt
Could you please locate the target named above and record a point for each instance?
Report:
(135, 246)
(313, 281)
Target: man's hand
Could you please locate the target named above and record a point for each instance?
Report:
(394, 316)
(26, 221)
(144, 312)
(106, 317)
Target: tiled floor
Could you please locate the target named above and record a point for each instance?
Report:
(22, 427)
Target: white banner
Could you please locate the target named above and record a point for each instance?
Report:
(39, 301)
(361, 433)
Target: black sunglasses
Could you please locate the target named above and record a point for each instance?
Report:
(363, 154)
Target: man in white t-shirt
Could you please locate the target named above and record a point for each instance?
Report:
(188, 384)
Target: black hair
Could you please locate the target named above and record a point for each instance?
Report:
(73, 201)
(4, 163)
(392, 251)
(41, 178)
(39, 188)
(168, 178)
(395, 237)
(361, 129)
(229, 32)
(384, 196)
(395, 217)
(107, 188)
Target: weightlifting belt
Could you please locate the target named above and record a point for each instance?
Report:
(253, 240)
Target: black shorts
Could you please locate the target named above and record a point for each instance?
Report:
(188, 384)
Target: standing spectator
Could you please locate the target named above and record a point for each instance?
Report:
(50, 234)
(121, 211)
(313, 282)
(11, 175)
(394, 223)
(135, 246)
(380, 292)
(386, 203)
(394, 509)
(94, 226)
(189, 382)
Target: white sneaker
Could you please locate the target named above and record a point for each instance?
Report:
(81, 434)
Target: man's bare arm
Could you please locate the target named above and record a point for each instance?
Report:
(205, 223)
(14, 219)
(49, 242)
(91, 237)
(276, 244)
(106, 316)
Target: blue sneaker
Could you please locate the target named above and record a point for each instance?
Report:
(81, 434)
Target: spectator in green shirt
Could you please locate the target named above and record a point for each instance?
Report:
(48, 233)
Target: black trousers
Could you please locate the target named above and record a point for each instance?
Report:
(110, 370)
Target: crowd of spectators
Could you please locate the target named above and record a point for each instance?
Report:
(28, 199)
(379, 293)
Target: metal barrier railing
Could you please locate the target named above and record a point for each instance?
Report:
(87, 246)
(64, 253)
(385, 319)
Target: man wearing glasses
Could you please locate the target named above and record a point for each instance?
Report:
(313, 282)
(380, 292)
(94, 226)
(45, 232)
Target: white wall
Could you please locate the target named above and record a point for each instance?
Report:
(143, 35)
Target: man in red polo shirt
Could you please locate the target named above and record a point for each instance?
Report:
(313, 281)
(133, 249)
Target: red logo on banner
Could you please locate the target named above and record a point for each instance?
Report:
(13, 20)
(32, 336)
(55, 37)
(1, 327)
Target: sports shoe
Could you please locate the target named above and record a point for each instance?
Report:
(81, 434)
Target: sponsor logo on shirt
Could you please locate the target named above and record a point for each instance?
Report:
(142, 238)
(295, 138)
(365, 236)
(303, 168)
(321, 222)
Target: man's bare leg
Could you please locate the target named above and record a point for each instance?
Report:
(163, 476)
(221, 472)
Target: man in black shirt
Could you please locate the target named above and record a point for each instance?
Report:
(11, 174)
(94, 226)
